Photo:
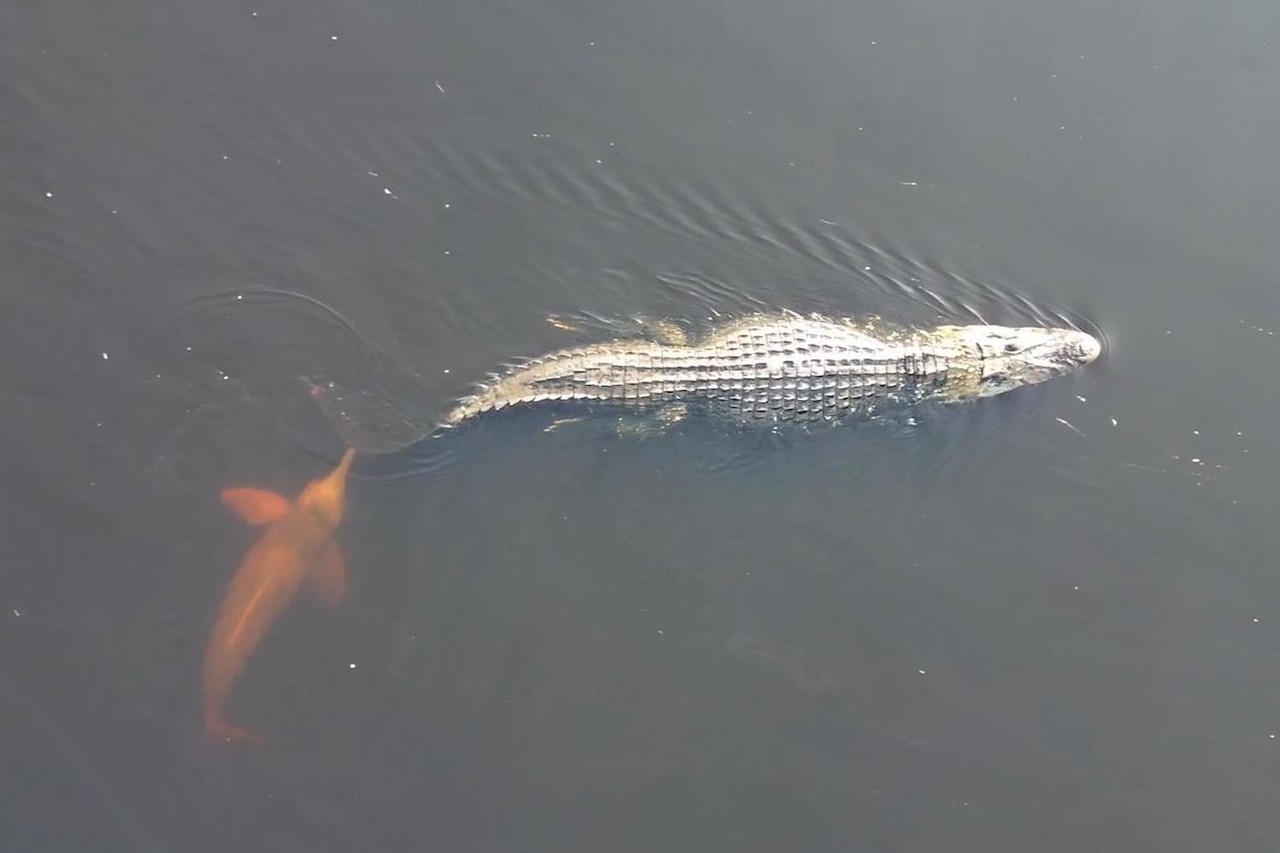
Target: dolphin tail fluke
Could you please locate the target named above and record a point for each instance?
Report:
(219, 731)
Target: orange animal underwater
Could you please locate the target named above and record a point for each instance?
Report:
(298, 546)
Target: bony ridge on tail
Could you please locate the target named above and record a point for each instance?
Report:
(297, 546)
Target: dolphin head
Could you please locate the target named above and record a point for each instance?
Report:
(325, 498)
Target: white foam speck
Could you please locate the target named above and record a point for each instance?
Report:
(1081, 399)
(105, 356)
(1114, 422)
(921, 671)
(48, 195)
(351, 666)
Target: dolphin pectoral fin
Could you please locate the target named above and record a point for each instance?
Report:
(256, 506)
(329, 578)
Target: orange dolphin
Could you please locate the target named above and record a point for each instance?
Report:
(298, 546)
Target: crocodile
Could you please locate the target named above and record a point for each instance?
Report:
(769, 368)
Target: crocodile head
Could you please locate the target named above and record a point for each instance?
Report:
(1010, 357)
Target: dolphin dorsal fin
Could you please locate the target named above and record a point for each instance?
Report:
(257, 506)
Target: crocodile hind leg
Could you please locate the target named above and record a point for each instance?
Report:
(646, 328)
(652, 423)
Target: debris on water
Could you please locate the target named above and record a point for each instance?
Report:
(1114, 422)
(1070, 426)
(105, 356)
(441, 88)
(1081, 399)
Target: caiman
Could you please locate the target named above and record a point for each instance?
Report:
(786, 367)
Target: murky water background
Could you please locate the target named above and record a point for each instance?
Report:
(1046, 622)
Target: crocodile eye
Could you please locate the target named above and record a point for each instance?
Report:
(1011, 348)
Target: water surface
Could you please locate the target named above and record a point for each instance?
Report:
(1045, 622)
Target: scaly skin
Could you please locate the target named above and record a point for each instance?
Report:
(785, 367)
